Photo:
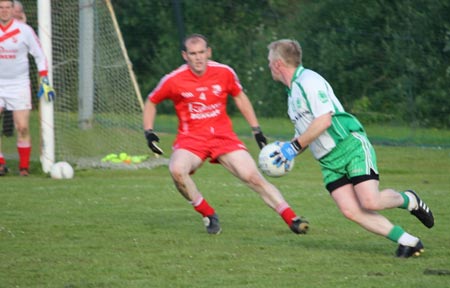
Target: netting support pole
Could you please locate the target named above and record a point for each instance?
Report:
(180, 23)
(47, 156)
(86, 64)
(125, 54)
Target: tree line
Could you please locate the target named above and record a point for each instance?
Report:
(388, 61)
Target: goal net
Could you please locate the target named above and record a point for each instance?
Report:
(98, 106)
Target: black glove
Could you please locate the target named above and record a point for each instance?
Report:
(152, 139)
(259, 137)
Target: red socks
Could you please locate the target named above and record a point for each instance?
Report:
(286, 213)
(24, 150)
(202, 207)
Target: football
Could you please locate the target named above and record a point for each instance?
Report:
(266, 162)
(61, 170)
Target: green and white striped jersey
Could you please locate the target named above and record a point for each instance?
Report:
(311, 96)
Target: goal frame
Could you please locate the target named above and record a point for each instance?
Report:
(47, 156)
(46, 109)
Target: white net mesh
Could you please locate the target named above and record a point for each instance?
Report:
(114, 125)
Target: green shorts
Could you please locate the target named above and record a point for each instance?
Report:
(352, 161)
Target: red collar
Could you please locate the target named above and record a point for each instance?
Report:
(4, 28)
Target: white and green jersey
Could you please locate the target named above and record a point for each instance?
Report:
(309, 97)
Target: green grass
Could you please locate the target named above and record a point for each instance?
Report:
(109, 228)
(378, 133)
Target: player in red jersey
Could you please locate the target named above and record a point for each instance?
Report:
(199, 90)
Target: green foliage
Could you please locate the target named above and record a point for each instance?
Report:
(395, 54)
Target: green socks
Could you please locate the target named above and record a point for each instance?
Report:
(395, 233)
(405, 202)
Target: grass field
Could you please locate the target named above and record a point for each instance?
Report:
(111, 228)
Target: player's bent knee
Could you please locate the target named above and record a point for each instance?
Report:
(349, 214)
(371, 205)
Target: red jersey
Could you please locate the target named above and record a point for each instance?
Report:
(200, 101)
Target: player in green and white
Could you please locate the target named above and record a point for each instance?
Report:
(338, 141)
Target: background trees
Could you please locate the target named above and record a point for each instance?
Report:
(388, 61)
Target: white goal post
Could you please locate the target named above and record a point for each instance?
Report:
(98, 105)
(46, 109)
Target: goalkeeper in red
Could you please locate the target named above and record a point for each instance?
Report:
(17, 40)
(199, 90)
(338, 141)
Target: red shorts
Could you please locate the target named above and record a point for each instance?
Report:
(211, 146)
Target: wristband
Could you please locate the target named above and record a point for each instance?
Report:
(296, 145)
(256, 129)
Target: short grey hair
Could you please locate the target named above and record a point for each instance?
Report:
(287, 50)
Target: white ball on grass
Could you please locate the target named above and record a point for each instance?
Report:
(61, 170)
